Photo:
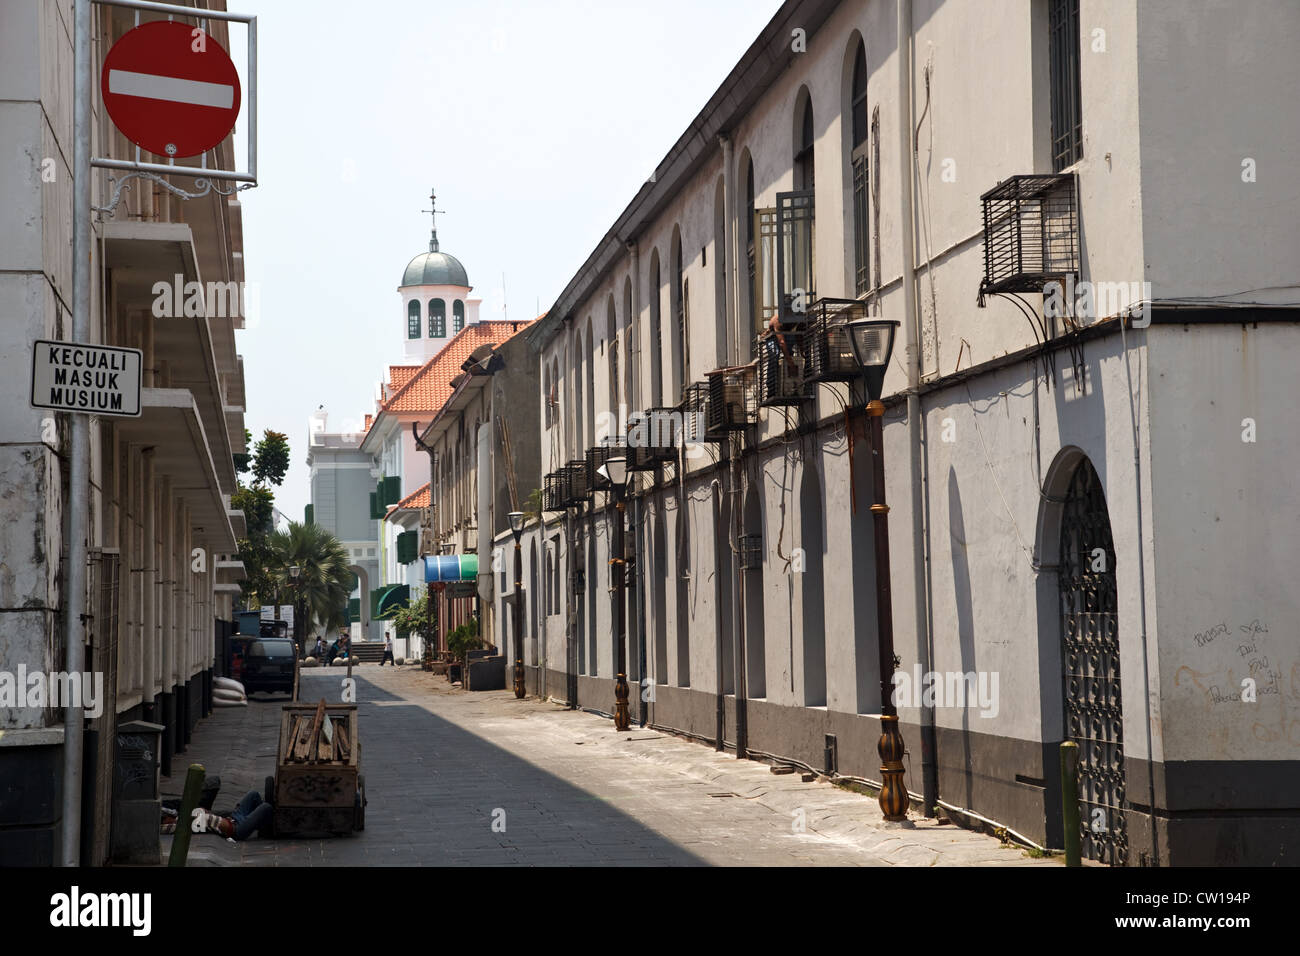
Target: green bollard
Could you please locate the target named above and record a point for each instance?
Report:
(1070, 801)
(184, 819)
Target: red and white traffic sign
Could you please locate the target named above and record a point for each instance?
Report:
(171, 89)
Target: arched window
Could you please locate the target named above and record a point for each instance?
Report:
(750, 248)
(534, 629)
(683, 575)
(656, 335)
(752, 560)
(795, 211)
(576, 446)
(721, 336)
(803, 146)
(413, 319)
(437, 319)
(813, 597)
(611, 335)
(546, 397)
(681, 329)
(632, 345)
(589, 368)
(457, 316)
(858, 148)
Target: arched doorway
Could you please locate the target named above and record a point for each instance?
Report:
(1094, 716)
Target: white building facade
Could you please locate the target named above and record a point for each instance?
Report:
(1092, 533)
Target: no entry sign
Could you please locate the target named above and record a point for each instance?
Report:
(171, 89)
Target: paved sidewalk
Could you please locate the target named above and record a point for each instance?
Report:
(459, 778)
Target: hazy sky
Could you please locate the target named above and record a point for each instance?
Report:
(536, 122)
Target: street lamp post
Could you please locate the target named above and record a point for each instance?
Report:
(615, 472)
(873, 342)
(295, 572)
(517, 528)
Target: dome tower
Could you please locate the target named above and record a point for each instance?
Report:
(435, 298)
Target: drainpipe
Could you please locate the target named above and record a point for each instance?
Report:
(734, 513)
(77, 524)
(915, 424)
(636, 628)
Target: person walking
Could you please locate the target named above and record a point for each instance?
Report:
(388, 650)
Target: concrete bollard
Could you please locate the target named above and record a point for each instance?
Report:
(1070, 801)
(184, 818)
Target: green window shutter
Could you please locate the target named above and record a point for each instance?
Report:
(408, 543)
(309, 514)
(392, 490)
(376, 510)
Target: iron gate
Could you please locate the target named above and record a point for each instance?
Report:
(1094, 716)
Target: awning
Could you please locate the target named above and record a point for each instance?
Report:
(451, 567)
(392, 597)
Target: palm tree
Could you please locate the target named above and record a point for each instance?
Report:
(324, 581)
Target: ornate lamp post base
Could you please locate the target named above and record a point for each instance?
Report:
(893, 793)
(622, 719)
(519, 679)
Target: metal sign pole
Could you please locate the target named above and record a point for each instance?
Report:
(76, 526)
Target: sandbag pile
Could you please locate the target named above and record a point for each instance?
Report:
(228, 693)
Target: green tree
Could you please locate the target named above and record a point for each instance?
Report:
(268, 463)
(271, 458)
(324, 581)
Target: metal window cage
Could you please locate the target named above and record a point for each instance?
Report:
(1031, 233)
(576, 489)
(828, 348)
(781, 366)
(612, 447)
(553, 491)
(695, 414)
(653, 438)
(751, 551)
(732, 406)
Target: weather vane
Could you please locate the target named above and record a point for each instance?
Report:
(434, 211)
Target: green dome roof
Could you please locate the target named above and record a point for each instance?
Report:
(435, 268)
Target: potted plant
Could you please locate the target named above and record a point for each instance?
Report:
(460, 641)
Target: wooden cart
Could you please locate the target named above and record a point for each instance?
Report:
(318, 786)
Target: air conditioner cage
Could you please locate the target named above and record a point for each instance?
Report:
(781, 370)
(652, 438)
(731, 399)
(828, 347)
(695, 414)
(553, 491)
(612, 447)
(576, 489)
(1031, 233)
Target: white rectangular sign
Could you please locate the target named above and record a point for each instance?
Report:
(93, 379)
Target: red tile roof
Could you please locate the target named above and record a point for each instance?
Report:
(399, 375)
(430, 387)
(419, 498)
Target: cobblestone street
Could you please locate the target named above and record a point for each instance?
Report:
(441, 764)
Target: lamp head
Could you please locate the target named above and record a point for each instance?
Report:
(615, 471)
(873, 344)
(516, 522)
